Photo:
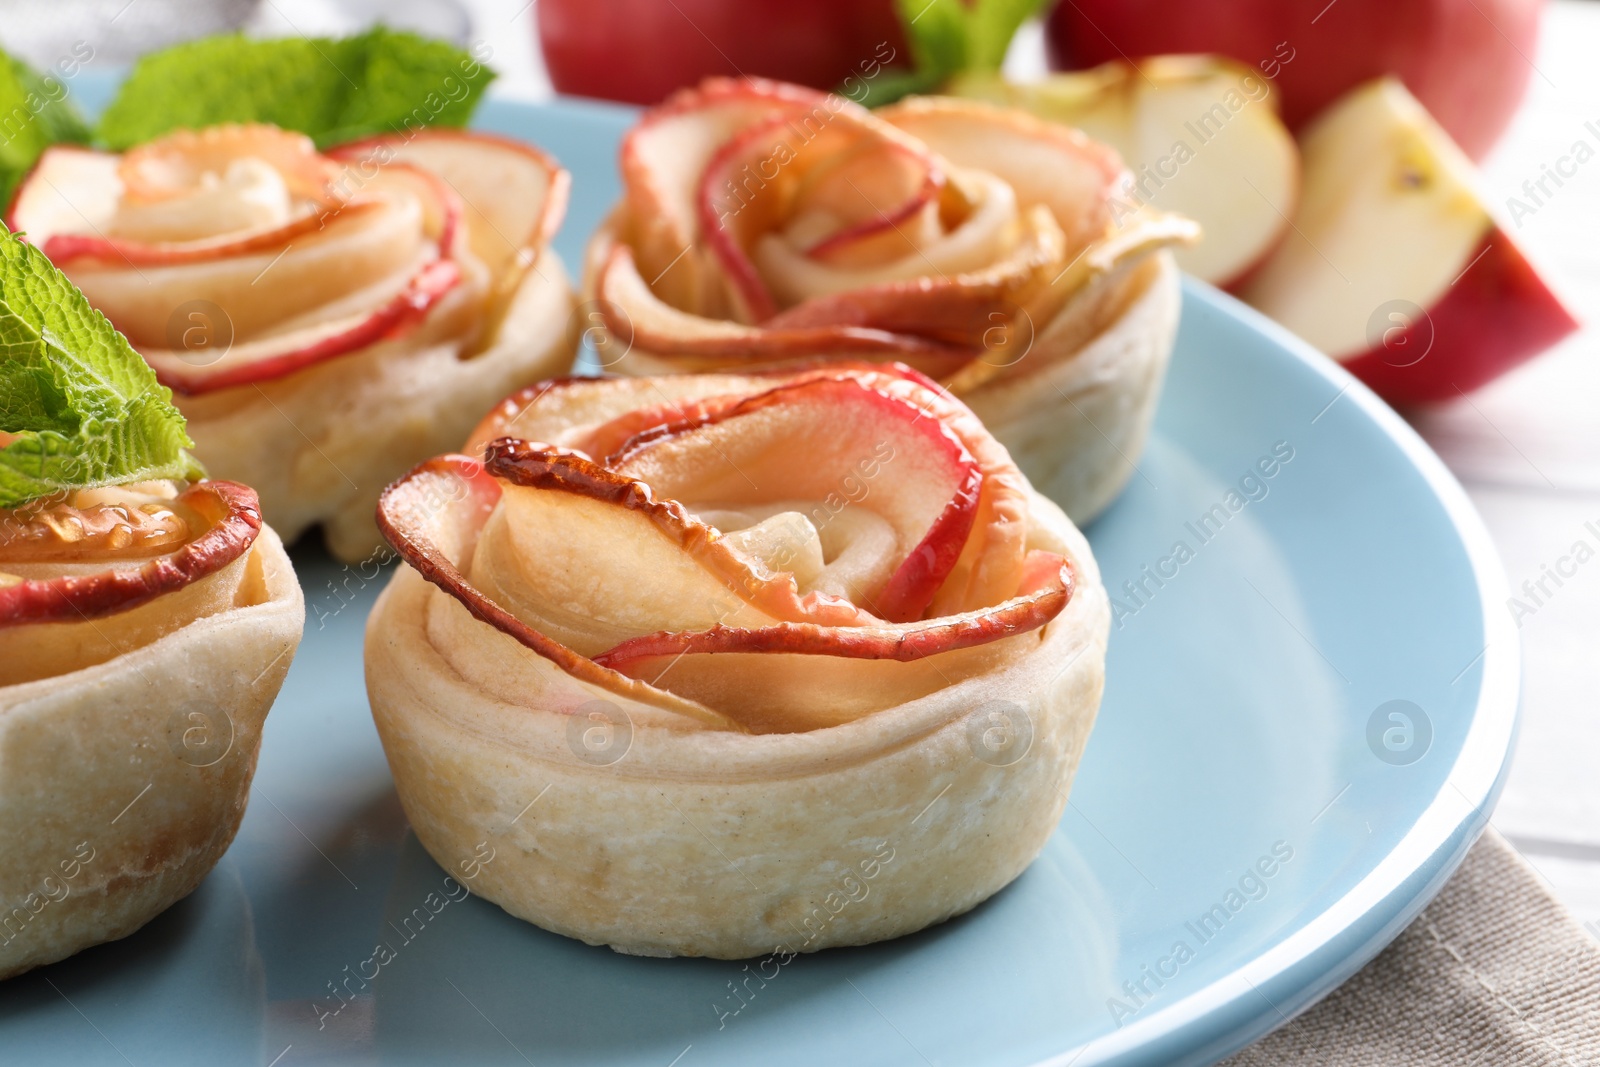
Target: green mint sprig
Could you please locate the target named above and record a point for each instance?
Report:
(333, 89)
(34, 114)
(85, 409)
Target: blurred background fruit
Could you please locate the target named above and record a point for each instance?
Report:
(1325, 147)
(1467, 61)
(1396, 266)
(638, 51)
(1201, 136)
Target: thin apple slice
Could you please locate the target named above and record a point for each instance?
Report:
(636, 316)
(178, 163)
(433, 517)
(568, 504)
(867, 212)
(664, 154)
(409, 215)
(1397, 267)
(68, 207)
(69, 190)
(1048, 587)
(275, 356)
(63, 248)
(592, 415)
(929, 483)
(233, 515)
(598, 416)
(1201, 137)
(514, 195)
(959, 310)
(798, 676)
(1043, 162)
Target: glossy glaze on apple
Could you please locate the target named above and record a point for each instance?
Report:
(97, 552)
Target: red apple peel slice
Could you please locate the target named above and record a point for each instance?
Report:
(929, 494)
(666, 151)
(63, 248)
(395, 319)
(432, 517)
(637, 317)
(906, 642)
(801, 165)
(235, 514)
(1044, 163)
(547, 469)
(514, 196)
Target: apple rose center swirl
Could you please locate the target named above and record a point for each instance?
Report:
(772, 553)
(239, 252)
(773, 222)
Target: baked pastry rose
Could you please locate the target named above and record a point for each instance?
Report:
(326, 320)
(147, 619)
(762, 223)
(144, 632)
(734, 636)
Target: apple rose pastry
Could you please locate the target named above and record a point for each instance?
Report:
(147, 619)
(327, 320)
(726, 664)
(763, 224)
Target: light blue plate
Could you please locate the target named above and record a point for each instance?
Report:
(1247, 712)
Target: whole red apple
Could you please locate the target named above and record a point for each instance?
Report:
(638, 51)
(1466, 60)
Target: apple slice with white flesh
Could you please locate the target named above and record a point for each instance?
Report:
(938, 480)
(514, 195)
(1201, 137)
(1396, 267)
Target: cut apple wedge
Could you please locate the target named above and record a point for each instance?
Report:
(1396, 266)
(1201, 137)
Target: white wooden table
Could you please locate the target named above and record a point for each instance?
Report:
(1527, 447)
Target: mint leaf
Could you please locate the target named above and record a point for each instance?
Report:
(34, 114)
(950, 37)
(84, 408)
(335, 90)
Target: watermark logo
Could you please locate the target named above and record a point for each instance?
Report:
(200, 332)
(1008, 338)
(999, 732)
(200, 734)
(1399, 732)
(606, 329)
(599, 733)
(1401, 332)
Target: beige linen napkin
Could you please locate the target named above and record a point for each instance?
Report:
(1495, 972)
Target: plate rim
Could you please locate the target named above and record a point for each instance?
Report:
(1270, 990)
